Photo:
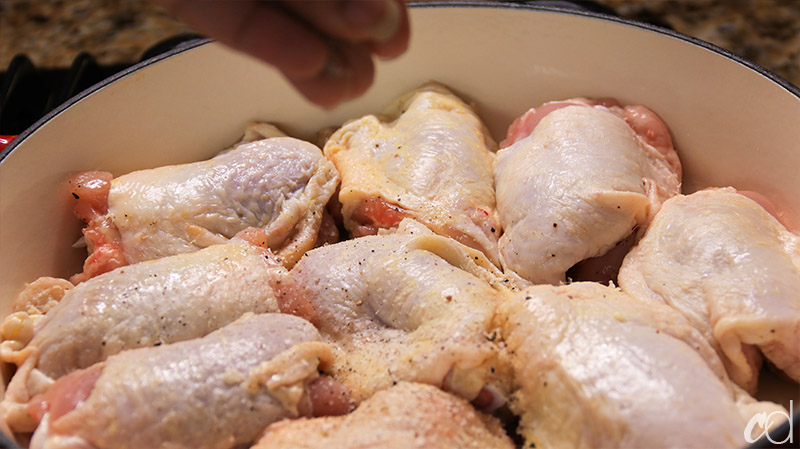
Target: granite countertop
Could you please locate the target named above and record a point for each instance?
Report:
(53, 32)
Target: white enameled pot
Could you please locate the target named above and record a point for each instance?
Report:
(733, 122)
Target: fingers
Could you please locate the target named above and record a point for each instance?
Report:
(397, 44)
(352, 20)
(381, 23)
(348, 74)
(261, 29)
(323, 47)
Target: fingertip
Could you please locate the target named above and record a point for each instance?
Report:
(359, 59)
(398, 43)
(347, 75)
(326, 89)
(278, 39)
(379, 19)
(261, 29)
(383, 23)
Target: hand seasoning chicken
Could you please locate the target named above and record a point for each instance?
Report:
(430, 159)
(406, 416)
(574, 178)
(161, 301)
(597, 368)
(278, 184)
(214, 392)
(733, 270)
(410, 306)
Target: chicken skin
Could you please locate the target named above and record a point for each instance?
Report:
(218, 307)
(574, 178)
(150, 303)
(406, 416)
(278, 184)
(213, 392)
(729, 266)
(401, 307)
(596, 368)
(430, 159)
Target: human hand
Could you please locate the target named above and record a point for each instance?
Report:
(323, 47)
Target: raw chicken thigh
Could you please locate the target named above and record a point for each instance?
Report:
(596, 368)
(218, 308)
(430, 159)
(161, 301)
(213, 392)
(278, 184)
(406, 416)
(733, 270)
(574, 178)
(400, 307)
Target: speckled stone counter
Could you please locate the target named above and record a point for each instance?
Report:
(766, 32)
(53, 32)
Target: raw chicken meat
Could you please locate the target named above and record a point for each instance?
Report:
(401, 307)
(162, 301)
(430, 159)
(213, 392)
(733, 270)
(41, 295)
(279, 184)
(406, 416)
(574, 178)
(597, 368)
(413, 321)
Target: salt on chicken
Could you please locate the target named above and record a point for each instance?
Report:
(428, 158)
(596, 368)
(410, 306)
(278, 184)
(214, 392)
(406, 416)
(576, 177)
(146, 304)
(728, 265)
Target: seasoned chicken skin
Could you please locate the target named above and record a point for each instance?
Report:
(213, 392)
(400, 307)
(596, 368)
(430, 159)
(278, 184)
(574, 178)
(406, 416)
(161, 301)
(733, 270)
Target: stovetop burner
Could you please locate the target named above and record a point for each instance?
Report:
(28, 93)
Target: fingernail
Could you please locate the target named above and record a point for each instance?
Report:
(379, 18)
